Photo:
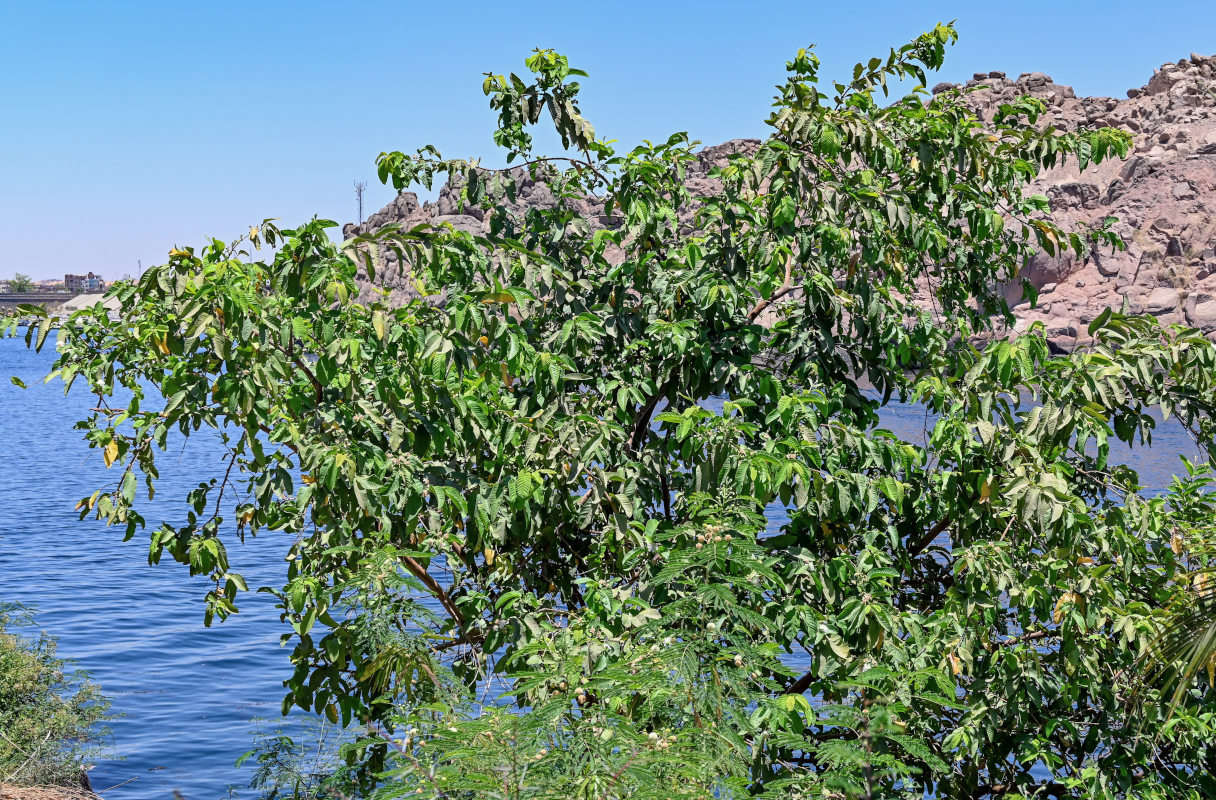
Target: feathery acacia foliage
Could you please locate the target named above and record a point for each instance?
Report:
(533, 559)
(49, 713)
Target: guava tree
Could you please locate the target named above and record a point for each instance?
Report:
(528, 545)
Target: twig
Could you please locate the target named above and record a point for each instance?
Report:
(224, 483)
(124, 783)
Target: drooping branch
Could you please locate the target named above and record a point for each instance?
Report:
(578, 164)
(224, 483)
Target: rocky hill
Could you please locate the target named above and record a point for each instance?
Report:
(1164, 196)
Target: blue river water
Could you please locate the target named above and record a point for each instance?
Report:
(190, 698)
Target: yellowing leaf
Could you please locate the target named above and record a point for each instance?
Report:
(379, 323)
(489, 554)
(162, 346)
(1066, 599)
(110, 454)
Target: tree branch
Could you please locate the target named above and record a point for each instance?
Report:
(318, 389)
(224, 483)
(1052, 788)
(641, 423)
(802, 684)
(928, 538)
(1034, 636)
(548, 160)
(419, 572)
(785, 288)
(472, 637)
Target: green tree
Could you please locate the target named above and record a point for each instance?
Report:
(21, 283)
(518, 485)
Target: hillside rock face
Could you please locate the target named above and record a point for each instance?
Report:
(1163, 195)
(407, 211)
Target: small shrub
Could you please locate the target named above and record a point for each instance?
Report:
(48, 714)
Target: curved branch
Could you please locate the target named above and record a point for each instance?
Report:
(785, 288)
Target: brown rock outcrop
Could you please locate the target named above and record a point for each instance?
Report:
(408, 212)
(1163, 195)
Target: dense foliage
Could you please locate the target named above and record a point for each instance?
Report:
(48, 714)
(527, 506)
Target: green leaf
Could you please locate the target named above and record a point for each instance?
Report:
(785, 212)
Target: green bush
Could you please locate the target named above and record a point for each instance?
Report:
(48, 714)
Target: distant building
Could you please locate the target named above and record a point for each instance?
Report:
(4, 287)
(83, 283)
(49, 286)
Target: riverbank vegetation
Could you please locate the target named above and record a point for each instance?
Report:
(530, 552)
(49, 715)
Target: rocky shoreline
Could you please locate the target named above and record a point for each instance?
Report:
(1163, 196)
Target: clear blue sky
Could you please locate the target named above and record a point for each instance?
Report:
(131, 127)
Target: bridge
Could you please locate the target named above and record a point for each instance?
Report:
(51, 301)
